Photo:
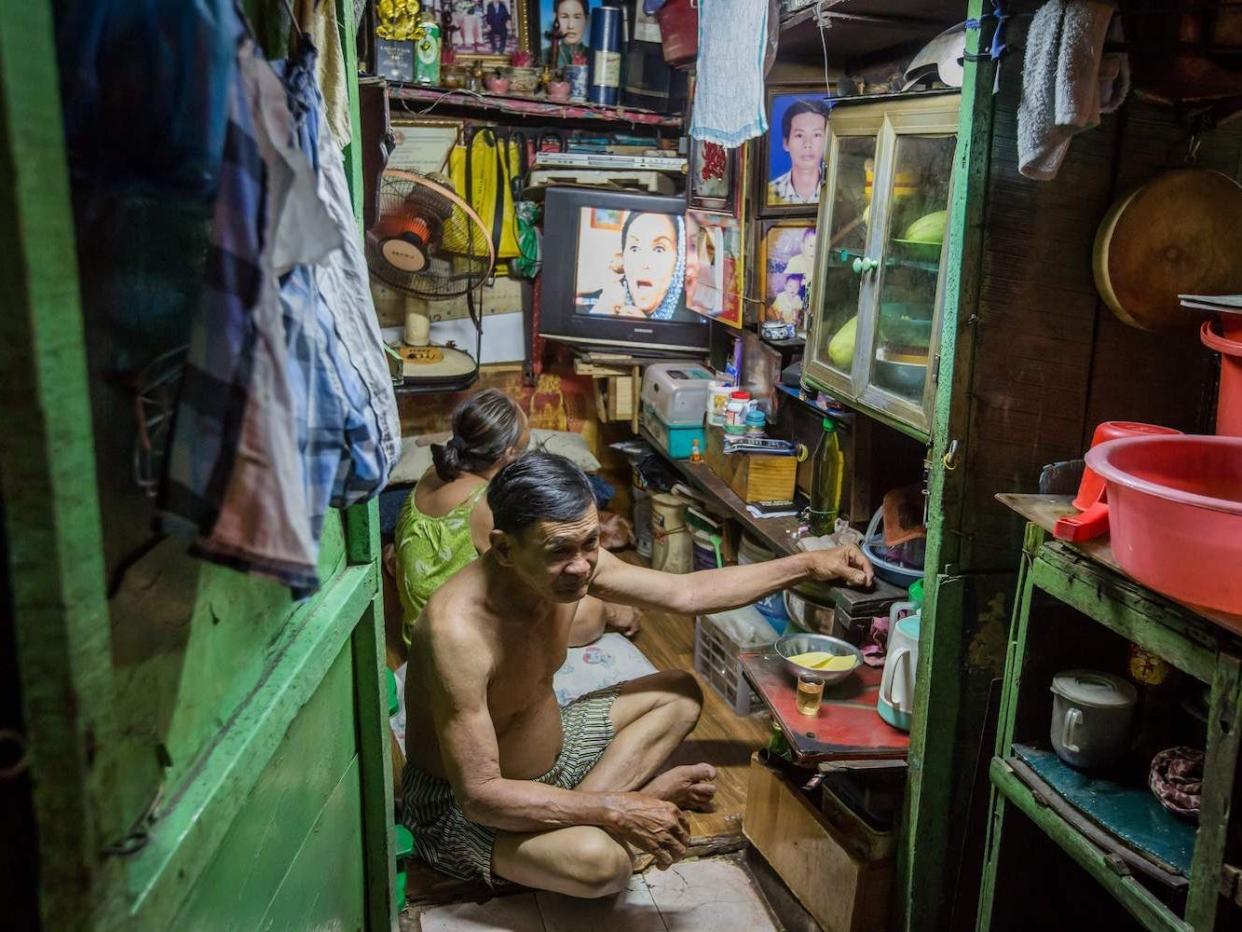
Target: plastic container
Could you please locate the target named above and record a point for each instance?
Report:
(735, 412)
(718, 640)
(717, 401)
(1093, 520)
(1175, 515)
(827, 473)
(884, 561)
(1229, 396)
(756, 421)
(772, 607)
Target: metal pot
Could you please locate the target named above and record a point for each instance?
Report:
(811, 611)
(1091, 714)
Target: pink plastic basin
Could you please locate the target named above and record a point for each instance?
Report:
(1175, 515)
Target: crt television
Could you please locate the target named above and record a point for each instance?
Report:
(614, 271)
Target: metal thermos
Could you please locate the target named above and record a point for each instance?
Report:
(607, 28)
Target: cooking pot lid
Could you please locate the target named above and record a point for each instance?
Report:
(1094, 689)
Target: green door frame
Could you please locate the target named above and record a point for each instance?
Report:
(925, 863)
(55, 542)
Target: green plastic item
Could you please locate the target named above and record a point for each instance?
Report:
(390, 682)
(916, 593)
(405, 849)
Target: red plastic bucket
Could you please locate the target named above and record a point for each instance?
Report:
(1175, 515)
(1229, 398)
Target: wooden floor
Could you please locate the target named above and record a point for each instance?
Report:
(722, 739)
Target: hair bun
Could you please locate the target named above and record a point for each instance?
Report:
(446, 457)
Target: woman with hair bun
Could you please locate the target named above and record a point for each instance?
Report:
(445, 522)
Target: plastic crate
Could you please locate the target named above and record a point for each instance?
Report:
(716, 651)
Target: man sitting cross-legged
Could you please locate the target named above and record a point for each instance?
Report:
(499, 780)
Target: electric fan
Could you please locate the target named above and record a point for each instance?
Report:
(430, 245)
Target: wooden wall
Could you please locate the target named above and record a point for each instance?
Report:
(1050, 359)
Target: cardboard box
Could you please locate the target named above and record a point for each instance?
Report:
(753, 476)
(843, 881)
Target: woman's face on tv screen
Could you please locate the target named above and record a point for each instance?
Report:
(649, 258)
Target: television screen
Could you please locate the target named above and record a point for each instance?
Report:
(614, 271)
(631, 264)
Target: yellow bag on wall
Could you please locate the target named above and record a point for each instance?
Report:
(484, 171)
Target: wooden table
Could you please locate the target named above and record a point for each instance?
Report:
(847, 727)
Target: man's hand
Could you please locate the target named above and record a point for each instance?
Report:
(651, 825)
(845, 564)
(623, 618)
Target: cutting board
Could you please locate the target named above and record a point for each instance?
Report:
(1177, 234)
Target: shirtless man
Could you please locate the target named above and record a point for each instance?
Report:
(502, 783)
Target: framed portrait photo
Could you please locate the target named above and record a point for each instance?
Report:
(715, 274)
(484, 30)
(786, 266)
(791, 157)
(565, 24)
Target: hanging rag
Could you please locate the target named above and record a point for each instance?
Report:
(1067, 80)
(317, 20)
(728, 96)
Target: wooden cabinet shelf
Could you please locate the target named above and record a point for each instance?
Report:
(1087, 580)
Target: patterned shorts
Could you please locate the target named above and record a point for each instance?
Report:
(445, 839)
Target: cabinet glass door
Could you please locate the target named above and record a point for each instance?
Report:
(907, 289)
(844, 247)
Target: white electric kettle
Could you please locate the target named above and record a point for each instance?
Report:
(896, 702)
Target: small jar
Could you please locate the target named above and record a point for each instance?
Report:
(756, 421)
(735, 413)
(717, 403)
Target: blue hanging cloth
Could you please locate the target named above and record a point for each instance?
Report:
(144, 88)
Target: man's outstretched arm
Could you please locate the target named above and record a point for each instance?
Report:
(716, 590)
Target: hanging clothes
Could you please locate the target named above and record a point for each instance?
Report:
(319, 426)
(317, 20)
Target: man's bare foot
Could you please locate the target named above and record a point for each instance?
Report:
(688, 787)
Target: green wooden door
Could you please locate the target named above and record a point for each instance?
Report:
(203, 753)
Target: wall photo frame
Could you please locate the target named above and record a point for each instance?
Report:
(715, 267)
(715, 177)
(486, 31)
(785, 269)
(570, 20)
(790, 163)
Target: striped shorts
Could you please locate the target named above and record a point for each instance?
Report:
(446, 840)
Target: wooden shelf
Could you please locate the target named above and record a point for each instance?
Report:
(1045, 510)
(1141, 903)
(777, 534)
(423, 99)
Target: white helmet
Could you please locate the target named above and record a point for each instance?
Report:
(940, 58)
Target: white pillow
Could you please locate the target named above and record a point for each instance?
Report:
(416, 456)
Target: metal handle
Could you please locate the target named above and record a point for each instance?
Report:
(864, 264)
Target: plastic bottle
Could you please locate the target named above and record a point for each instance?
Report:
(755, 422)
(827, 471)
